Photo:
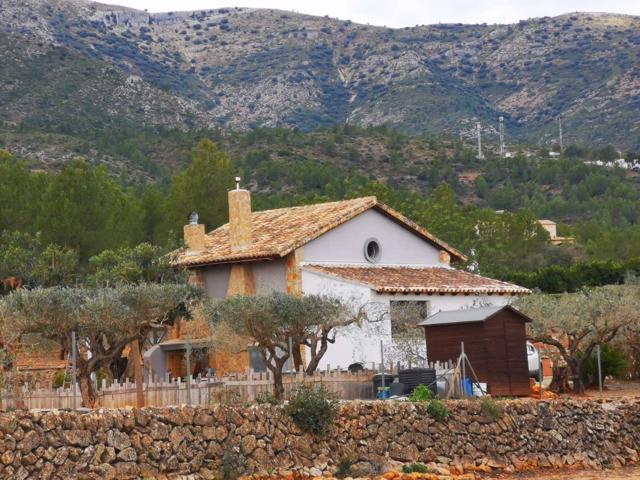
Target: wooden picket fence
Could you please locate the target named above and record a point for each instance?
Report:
(240, 388)
(200, 391)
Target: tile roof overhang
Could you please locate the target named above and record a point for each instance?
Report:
(392, 279)
(278, 232)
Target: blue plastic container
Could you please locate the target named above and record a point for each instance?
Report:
(468, 387)
(383, 393)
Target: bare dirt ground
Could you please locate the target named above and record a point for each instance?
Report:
(618, 474)
(614, 390)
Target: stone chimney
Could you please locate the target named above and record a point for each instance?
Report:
(239, 218)
(194, 234)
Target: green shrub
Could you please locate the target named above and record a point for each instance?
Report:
(613, 362)
(313, 409)
(416, 468)
(61, 378)
(421, 394)
(344, 468)
(490, 408)
(267, 398)
(437, 410)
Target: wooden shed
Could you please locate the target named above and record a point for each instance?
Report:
(495, 342)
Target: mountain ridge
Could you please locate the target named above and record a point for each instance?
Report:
(76, 67)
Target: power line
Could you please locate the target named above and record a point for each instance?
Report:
(560, 132)
(502, 149)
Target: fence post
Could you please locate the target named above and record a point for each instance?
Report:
(540, 373)
(382, 369)
(188, 345)
(73, 367)
(291, 365)
(599, 354)
(464, 370)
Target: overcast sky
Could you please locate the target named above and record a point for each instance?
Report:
(401, 13)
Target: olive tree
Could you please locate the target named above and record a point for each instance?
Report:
(105, 320)
(575, 323)
(269, 321)
(9, 337)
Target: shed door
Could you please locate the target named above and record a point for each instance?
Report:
(516, 343)
(497, 357)
(175, 362)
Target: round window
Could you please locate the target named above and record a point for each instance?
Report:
(372, 250)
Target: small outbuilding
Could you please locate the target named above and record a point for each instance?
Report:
(494, 341)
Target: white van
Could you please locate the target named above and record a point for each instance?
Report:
(533, 358)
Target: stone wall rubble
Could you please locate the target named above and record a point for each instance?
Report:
(373, 436)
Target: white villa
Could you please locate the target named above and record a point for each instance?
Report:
(359, 250)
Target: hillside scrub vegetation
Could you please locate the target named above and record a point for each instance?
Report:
(80, 211)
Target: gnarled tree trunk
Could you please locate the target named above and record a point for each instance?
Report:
(87, 389)
(275, 365)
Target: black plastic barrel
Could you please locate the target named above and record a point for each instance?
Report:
(399, 389)
(377, 381)
(412, 377)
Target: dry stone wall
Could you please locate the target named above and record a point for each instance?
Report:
(227, 440)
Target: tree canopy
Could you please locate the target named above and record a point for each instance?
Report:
(202, 187)
(271, 321)
(105, 320)
(575, 323)
(436, 181)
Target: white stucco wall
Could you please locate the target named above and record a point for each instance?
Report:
(345, 243)
(362, 343)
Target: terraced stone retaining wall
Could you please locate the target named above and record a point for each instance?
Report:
(374, 436)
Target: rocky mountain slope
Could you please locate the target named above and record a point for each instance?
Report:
(75, 68)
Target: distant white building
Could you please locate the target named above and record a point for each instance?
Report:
(552, 228)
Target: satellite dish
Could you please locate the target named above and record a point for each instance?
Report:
(193, 218)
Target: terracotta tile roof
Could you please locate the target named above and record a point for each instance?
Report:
(430, 280)
(41, 360)
(35, 353)
(278, 232)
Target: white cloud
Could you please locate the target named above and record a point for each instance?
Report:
(400, 13)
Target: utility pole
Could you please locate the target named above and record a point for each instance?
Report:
(560, 133)
(501, 120)
(479, 128)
